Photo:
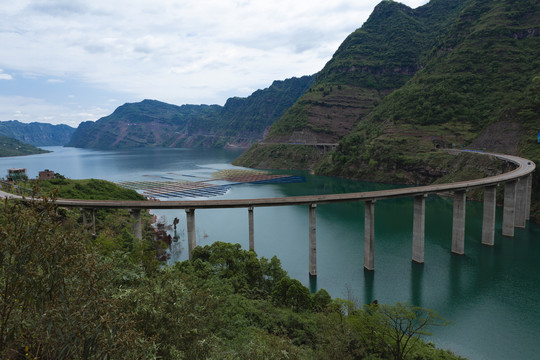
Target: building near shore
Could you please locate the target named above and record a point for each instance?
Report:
(16, 174)
(46, 174)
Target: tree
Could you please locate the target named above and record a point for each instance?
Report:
(290, 292)
(396, 329)
(55, 297)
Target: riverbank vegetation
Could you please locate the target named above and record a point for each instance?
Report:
(86, 189)
(68, 294)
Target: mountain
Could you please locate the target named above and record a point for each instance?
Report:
(449, 74)
(372, 62)
(37, 134)
(14, 147)
(239, 123)
(478, 87)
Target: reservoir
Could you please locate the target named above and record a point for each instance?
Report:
(491, 294)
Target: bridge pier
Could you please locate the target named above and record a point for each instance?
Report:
(458, 223)
(369, 235)
(521, 203)
(191, 235)
(85, 220)
(312, 240)
(136, 224)
(488, 222)
(528, 197)
(509, 210)
(251, 229)
(419, 228)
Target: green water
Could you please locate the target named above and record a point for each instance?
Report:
(491, 294)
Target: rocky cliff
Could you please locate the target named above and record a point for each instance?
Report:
(239, 123)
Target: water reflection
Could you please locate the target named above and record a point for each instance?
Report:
(369, 285)
(417, 275)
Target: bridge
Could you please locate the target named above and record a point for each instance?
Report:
(516, 209)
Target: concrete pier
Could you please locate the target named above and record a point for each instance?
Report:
(488, 222)
(528, 198)
(136, 224)
(458, 224)
(419, 228)
(312, 240)
(521, 203)
(369, 235)
(192, 236)
(85, 212)
(251, 229)
(509, 210)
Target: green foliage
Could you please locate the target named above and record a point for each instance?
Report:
(12, 147)
(291, 293)
(55, 300)
(394, 330)
(88, 189)
(67, 296)
(321, 300)
(37, 134)
(279, 156)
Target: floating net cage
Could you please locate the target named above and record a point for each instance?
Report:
(218, 184)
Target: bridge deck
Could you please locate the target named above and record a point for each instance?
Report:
(524, 167)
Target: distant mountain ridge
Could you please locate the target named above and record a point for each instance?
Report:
(239, 123)
(37, 134)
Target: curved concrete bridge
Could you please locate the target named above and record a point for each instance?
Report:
(517, 205)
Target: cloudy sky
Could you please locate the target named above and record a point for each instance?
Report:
(67, 61)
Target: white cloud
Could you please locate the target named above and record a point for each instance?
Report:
(26, 109)
(5, 76)
(193, 51)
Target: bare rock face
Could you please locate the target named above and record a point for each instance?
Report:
(500, 137)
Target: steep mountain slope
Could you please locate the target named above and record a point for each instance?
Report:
(371, 63)
(37, 134)
(476, 83)
(14, 147)
(239, 123)
(472, 91)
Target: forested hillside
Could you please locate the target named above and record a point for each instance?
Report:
(37, 134)
(241, 122)
(14, 147)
